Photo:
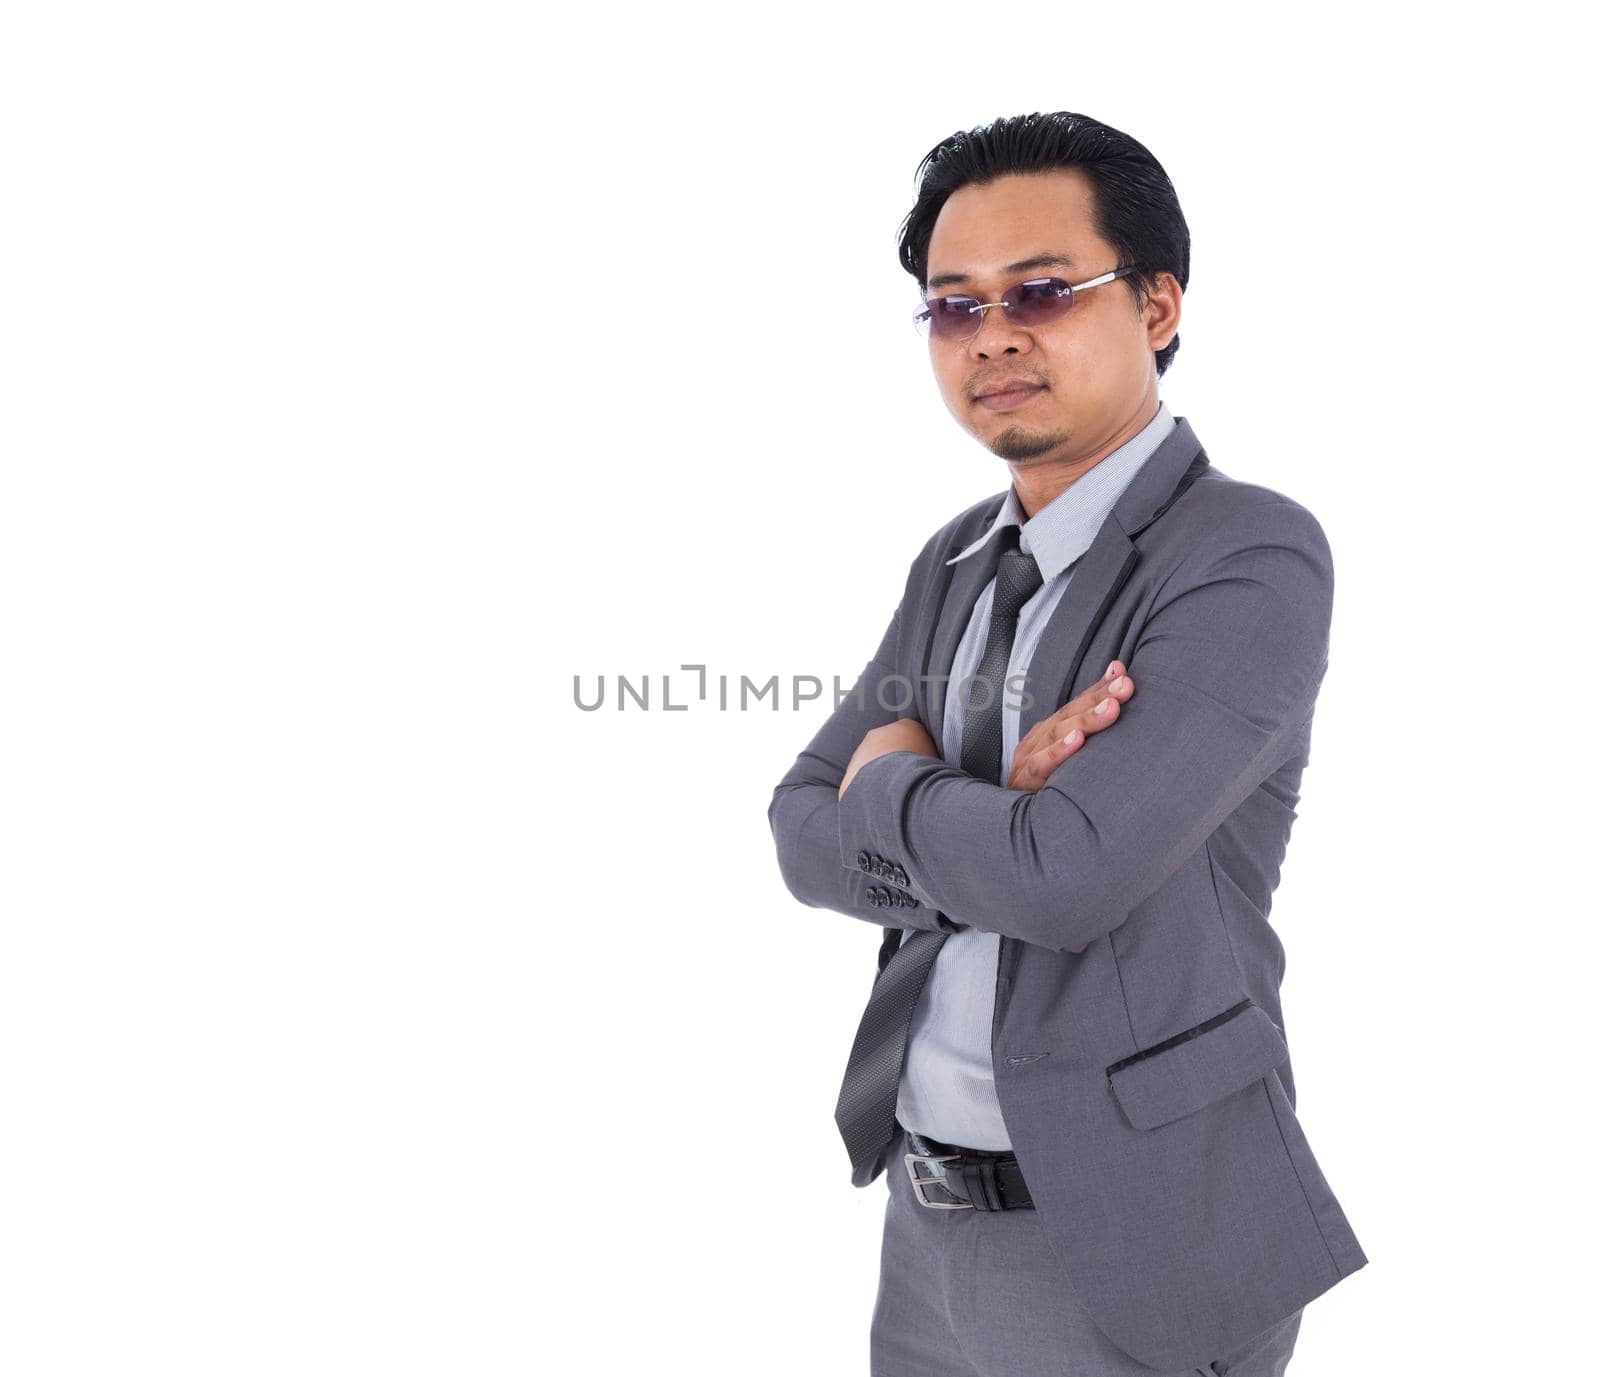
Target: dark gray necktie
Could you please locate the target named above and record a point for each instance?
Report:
(871, 1088)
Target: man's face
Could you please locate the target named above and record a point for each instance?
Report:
(1094, 367)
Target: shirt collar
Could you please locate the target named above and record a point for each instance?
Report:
(1061, 530)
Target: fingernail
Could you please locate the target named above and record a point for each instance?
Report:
(1110, 667)
(1104, 707)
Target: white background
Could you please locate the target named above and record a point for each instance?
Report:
(371, 371)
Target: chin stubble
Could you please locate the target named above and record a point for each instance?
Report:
(1016, 444)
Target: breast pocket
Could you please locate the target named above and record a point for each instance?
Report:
(1195, 1068)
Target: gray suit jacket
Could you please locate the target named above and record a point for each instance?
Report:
(1138, 1042)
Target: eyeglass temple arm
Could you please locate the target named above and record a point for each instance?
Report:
(1071, 286)
(1076, 286)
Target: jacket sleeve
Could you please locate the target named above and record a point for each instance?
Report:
(1226, 671)
(804, 814)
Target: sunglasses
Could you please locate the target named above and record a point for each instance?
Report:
(1030, 304)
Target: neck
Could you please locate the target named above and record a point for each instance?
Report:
(1040, 481)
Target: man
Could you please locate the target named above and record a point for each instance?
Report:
(1064, 786)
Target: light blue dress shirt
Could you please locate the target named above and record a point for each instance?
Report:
(947, 1084)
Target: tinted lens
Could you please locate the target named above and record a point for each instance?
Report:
(948, 317)
(1038, 302)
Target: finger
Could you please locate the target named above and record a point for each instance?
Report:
(1033, 771)
(1045, 761)
(1103, 714)
(1047, 729)
(1042, 735)
(1109, 684)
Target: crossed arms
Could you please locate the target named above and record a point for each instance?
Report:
(1228, 665)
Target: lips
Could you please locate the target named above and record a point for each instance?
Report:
(1012, 396)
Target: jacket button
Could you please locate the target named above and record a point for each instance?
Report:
(863, 861)
(874, 897)
(900, 876)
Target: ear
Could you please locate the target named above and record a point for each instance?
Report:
(1162, 309)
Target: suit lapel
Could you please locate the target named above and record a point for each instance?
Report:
(969, 578)
(1103, 570)
(939, 625)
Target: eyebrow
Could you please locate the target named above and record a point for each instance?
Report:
(1040, 260)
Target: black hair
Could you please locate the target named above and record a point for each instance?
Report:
(1136, 207)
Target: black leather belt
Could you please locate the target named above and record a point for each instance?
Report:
(945, 1177)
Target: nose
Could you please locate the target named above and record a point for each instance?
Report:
(996, 334)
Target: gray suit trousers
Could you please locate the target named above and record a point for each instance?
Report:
(966, 1293)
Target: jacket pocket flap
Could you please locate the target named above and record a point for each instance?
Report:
(1193, 1068)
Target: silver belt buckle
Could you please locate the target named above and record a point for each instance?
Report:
(920, 1184)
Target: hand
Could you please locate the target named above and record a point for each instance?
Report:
(1059, 735)
(907, 734)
